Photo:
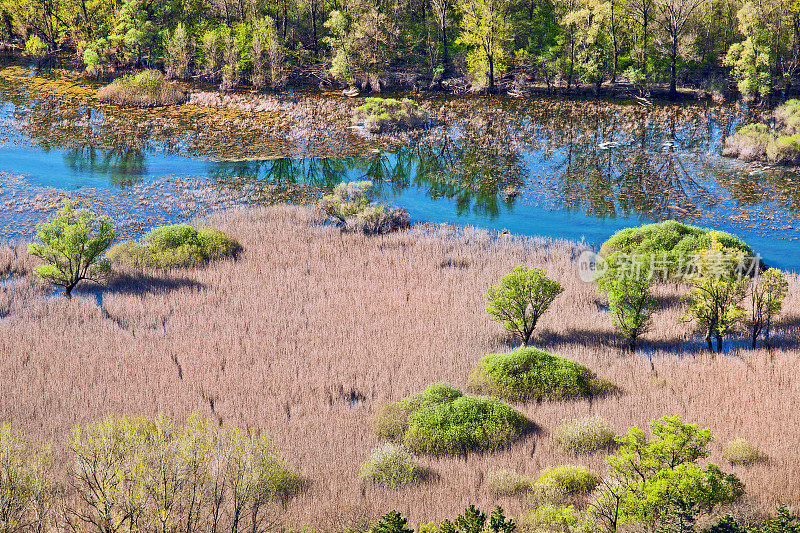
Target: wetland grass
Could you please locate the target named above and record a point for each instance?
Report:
(312, 331)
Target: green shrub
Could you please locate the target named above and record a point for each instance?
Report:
(749, 143)
(175, 246)
(741, 452)
(35, 47)
(383, 114)
(584, 435)
(671, 241)
(391, 466)
(442, 420)
(569, 479)
(530, 374)
(353, 207)
(787, 117)
(27, 486)
(785, 150)
(145, 89)
(553, 519)
(509, 483)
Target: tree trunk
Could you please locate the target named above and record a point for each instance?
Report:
(708, 341)
(673, 67)
(443, 23)
(719, 343)
(490, 59)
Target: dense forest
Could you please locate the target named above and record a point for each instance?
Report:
(371, 43)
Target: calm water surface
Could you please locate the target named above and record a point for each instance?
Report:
(574, 170)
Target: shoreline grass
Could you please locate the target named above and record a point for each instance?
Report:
(313, 330)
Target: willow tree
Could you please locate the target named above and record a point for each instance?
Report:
(486, 32)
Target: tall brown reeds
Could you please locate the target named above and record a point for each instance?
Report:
(311, 331)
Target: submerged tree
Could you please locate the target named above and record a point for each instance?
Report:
(72, 243)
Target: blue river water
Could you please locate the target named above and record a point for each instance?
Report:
(552, 179)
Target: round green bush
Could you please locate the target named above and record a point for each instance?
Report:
(391, 465)
(530, 374)
(670, 241)
(584, 435)
(569, 479)
(175, 246)
(741, 452)
(442, 420)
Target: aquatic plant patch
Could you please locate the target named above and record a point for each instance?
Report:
(384, 114)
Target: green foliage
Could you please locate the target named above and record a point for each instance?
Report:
(382, 114)
(175, 246)
(726, 524)
(629, 297)
(521, 299)
(72, 243)
(146, 474)
(784, 150)
(485, 32)
(584, 435)
(35, 47)
(26, 484)
(442, 420)
(750, 143)
(569, 479)
(753, 58)
(670, 244)
(759, 142)
(741, 452)
(352, 205)
(391, 466)
(267, 55)
(178, 52)
(657, 481)
(391, 522)
(148, 88)
(783, 522)
(554, 519)
(717, 291)
(767, 292)
(508, 483)
(530, 374)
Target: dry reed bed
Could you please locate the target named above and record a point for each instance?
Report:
(311, 331)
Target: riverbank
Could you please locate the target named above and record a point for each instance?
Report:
(311, 331)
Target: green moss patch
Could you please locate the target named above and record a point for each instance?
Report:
(175, 246)
(531, 374)
(442, 420)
